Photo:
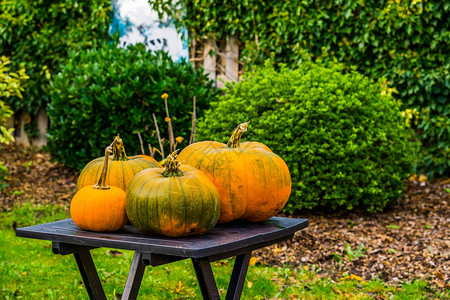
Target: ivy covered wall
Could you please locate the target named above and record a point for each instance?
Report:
(407, 42)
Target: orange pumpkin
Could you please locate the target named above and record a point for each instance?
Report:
(99, 207)
(121, 167)
(175, 201)
(254, 183)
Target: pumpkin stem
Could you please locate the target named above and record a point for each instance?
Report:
(101, 182)
(172, 165)
(118, 149)
(235, 138)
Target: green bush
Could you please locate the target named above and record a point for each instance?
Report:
(345, 143)
(109, 90)
(41, 33)
(406, 42)
(11, 84)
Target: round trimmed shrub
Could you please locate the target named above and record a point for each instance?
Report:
(345, 141)
(105, 91)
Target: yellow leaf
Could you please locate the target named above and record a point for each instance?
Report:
(413, 178)
(440, 275)
(355, 277)
(253, 261)
(305, 267)
(179, 286)
(423, 178)
(249, 284)
(179, 139)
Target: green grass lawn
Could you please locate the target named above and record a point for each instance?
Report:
(29, 270)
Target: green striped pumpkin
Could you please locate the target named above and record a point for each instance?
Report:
(175, 201)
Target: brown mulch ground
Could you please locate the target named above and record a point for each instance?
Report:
(412, 240)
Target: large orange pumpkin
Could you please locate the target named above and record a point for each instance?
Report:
(99, 207)
(254, 183)
(175, 201)
(121, 168)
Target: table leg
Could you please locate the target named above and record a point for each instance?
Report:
(134, 278)
(205, 278)
(238, 276)
(89, 274)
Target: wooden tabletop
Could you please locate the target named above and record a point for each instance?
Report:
(224, 238)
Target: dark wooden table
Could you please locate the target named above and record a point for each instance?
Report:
(237, 239)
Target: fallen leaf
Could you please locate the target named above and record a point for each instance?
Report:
(249, 284)
(440, 275)
(114, 253)
(413, 178)
(423, 178)
(253, 261)
(179, 287)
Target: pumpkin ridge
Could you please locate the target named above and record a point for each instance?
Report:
(98, 170)
(267, 169)
(123, 176)
(169, 200)
(157, 206)
(280, 183)
(196, 146)
(82, 177)
(185, 203)
(214, 159)
(271, 155)
(200, 161)
(85, 213)
(136, 198)
(85, 170)
(137, 161)
(229, 176)
(247, 167)
(130, 197)
(148, 205)
(115, 217)
(200, 195)
(210, 219)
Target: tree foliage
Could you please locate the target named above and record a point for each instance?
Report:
(108, 90)
(40, 34)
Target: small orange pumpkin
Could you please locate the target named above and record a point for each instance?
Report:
(121, 167)
(254, 183)
(99, 207)
(176, 201)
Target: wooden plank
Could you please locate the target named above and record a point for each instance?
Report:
(89, 274)
(209, 62)
(134, 278)
(231, 63)
(237, 279)
(232, 59)
(223, 241)
(205, 278)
